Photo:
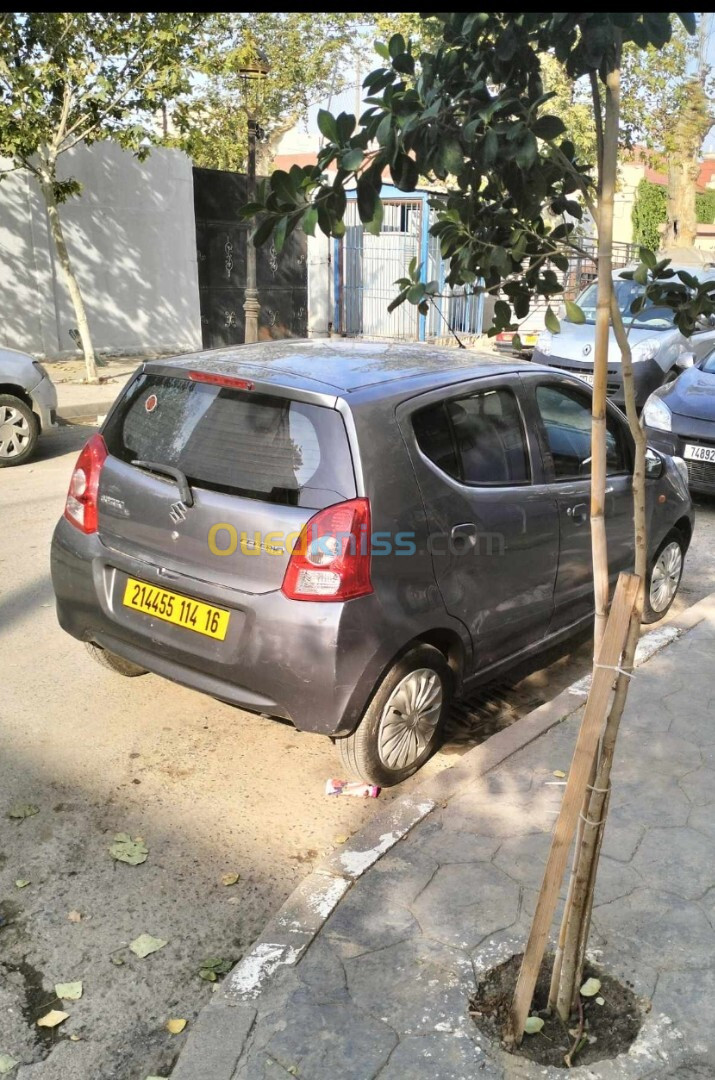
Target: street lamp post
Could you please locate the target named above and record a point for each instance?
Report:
(252, 75)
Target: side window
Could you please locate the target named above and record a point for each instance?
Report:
(434, 438)
(477, 439)
(566, 415)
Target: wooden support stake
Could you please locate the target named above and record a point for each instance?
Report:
(591, 727)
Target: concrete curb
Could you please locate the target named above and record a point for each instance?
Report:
(288, 934)
(85, 412)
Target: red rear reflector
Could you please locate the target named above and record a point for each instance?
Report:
(81, 506)
(504, 336)
(221, 380)
(331, 560)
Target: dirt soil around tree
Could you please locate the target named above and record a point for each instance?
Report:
(609, 1029)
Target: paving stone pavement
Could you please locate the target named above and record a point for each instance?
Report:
(381, 990)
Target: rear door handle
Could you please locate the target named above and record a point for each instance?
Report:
(465, 534)
(578, 513)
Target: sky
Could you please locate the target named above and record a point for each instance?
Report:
(346, 100)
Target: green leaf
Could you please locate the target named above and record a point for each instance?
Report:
(7, 1063)
(279, 236)
(396, 302)
(327, 125)
(22, 883)
(405, 173)
(548, 127)
(451, 157)
(310, 220)
(574, 313)
(374, 226)
(687, 18)
(23, 810)
(551, 322)
(590, 988)
(126, 850)
(145, 945)
(396, 45)
(647, 257)
(415, 292)
(262, 231)
(351, 160)
(381, 49)
(249, 210)
(282, 186)
(533, 1025)
(641, 274)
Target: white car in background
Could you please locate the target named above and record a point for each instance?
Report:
(28, 406)
(660, 352)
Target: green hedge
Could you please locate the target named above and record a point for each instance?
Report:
(650, 211)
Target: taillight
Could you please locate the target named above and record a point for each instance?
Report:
(81, 505)
(331, 560)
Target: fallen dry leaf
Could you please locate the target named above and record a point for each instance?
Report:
(175, 1026)
(532, 1025)
(559, 772)
(74, 916)
(52, 1018)
(118, 960)
(23, 810)
(71, 991)
(590, 988)
(22, 883)
(7, 1063)
(145, 944)
(230, 879)
(126, 850)
(341, 839)
(75, 1038)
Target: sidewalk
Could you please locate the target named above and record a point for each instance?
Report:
(79, 401)
(367, 970)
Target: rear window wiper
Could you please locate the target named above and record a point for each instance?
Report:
(182, 483)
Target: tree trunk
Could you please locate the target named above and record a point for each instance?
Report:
(690, 126)
(58, 237)
(585, 868)
(681, 228)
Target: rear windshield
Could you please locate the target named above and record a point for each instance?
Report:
(241, 442)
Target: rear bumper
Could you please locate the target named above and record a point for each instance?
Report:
(647, 376)
(313, 664)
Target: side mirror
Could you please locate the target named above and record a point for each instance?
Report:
(653, 464)
(685, 360)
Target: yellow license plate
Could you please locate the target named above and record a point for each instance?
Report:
(174, 608)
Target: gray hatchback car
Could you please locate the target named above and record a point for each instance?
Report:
(348, 534)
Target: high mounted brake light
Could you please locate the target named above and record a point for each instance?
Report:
(331, 560)
(221, 380)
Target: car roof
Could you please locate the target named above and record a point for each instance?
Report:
(344, 366)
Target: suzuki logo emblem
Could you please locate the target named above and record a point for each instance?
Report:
(586, 350)
(177, 512)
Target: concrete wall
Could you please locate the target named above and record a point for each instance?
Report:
(132, 240)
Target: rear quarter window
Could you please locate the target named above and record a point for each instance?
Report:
(260, 446)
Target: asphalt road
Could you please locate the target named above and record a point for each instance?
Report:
(211, 790)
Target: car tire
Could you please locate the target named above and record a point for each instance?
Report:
(113, 662)
(664, 574)
(394, 738)
(19, 431)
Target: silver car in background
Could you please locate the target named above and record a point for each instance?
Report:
(28, 406)
(660, 352)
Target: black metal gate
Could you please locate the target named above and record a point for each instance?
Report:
(221, 250)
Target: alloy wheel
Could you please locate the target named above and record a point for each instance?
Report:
(410, 718)
(15, 432)
(665, 577)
